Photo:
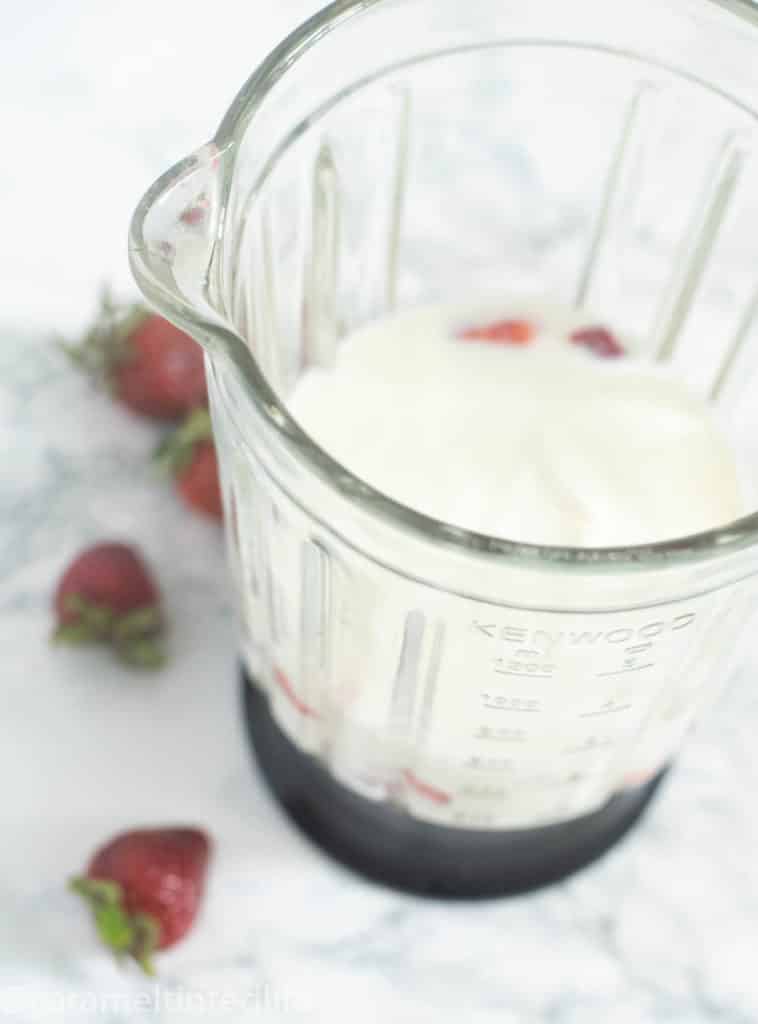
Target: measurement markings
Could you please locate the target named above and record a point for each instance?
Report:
(523, 675)
(499, 707)
(607, 711)
(623, 671)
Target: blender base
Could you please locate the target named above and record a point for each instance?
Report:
(387, 845)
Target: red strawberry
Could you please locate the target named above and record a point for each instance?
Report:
(190, 454)
(107, 596)
(145, 888)
(149, 365)
(194, 214)
(600, 341)
(504, 332)
(198, 483)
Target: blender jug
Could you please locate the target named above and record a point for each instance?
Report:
(453, 713)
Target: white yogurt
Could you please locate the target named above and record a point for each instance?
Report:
(545, 442)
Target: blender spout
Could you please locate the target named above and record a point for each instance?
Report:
(175, 240)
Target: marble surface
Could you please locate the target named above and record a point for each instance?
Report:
(664, 929)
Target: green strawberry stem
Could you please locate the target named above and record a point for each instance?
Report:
(175, 453)
(106, 343)
(134, 935)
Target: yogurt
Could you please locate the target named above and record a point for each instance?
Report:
(535, 426)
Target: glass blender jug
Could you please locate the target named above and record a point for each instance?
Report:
(452, 713)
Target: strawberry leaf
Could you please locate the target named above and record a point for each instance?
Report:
(97, 618)
(142, 622)
(115, 928)
(106, 344)
(175, 452)
(142, 652)
(136, 637)
(125, 934)
(145, 942)
(105, 900)
(74, 634)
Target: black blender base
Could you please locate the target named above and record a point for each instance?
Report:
(389, 846)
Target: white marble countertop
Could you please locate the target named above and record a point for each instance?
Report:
(665, 929)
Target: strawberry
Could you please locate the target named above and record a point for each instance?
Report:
(107, 596)
(190, 455)
(198, 483)
(145, 888)
(195, 213)
(600, 341)
(151, 366)
(502, 332)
